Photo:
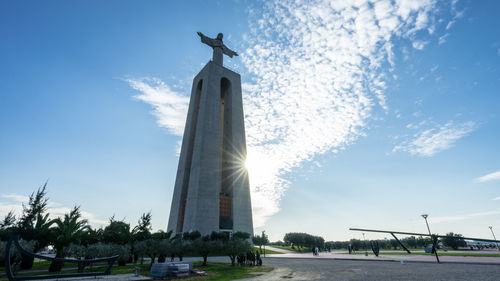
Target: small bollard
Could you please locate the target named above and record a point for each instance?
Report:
(136, 271)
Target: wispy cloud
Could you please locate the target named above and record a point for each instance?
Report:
(170, 107)
(316, 69)
(13, 202)
(464, 216)
(489, 177)
(419, 45)
(434, 140)
(443, 39)
(15, 197)
(496, 198)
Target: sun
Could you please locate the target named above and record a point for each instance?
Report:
(251, 163)
(259, 166)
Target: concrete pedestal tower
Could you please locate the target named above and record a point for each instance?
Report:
(211, 188)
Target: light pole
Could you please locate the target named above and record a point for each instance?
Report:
(434, 242)
(262, 241)
(425, 218)
(491, 228)
(366, 251)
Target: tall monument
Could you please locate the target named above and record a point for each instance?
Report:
(211, 188)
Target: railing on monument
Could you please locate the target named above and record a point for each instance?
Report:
(14, 239)
(226, 66)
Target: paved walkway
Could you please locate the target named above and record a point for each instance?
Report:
(342, 266)
(323, 269)
(398, 258)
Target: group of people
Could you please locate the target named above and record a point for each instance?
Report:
(249, 259)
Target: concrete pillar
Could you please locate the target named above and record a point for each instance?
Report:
(211, 164)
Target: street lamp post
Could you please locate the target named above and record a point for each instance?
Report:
(425, 218)
(366, 251)
(434, 241)
(491, 228)
(263, 243)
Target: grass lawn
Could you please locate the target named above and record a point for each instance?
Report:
(296, 249)
(270, 252)
(114, 270)
(224, 271)
(215, 271)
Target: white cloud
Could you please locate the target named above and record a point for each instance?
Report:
(434, 140)
(462, 217)
(15, 197)
(316, 69)
(443, 38)
(496, 198)
(419, 45)
(13, 202)
(450, 24)
(170, 107)
(489, 177)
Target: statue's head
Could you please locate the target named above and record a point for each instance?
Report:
(219, 36)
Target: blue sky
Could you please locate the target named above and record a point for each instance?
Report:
(358, 113)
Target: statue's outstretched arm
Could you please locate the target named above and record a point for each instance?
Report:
(228, 51)
(207, 40)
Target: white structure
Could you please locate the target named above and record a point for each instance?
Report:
(211, 189)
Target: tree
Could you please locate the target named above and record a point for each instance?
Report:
(454, 240)
(236, 246)
(356, 244)
(91, 236)
(117, 232)
(34, 223)
(149, 247)
(394, 244)
(303, 240)
(160, 235)
(191, 236)
(219, 236)
(37, 205)
(7, 225)
(257, 240)
(411, 241)
(204, 246)
(15, 255)
(143, 229)
(140, 249)
(123, 252)
(180, 246)
(66, 231)
(260, 240)
(241, 235)
(9, 220)
(421, 243)
(165, 249)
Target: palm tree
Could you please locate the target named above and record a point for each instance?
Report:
(67, 231)
(34, 224)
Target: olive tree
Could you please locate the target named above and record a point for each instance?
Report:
(236, 245)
